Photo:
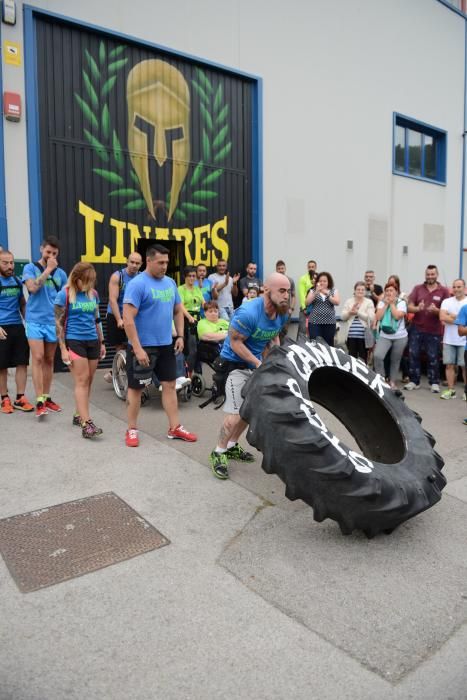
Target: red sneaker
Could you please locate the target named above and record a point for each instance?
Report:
(23, 404)
(6, 405)
(52, 406)
(131, 438)
(40, 410)
(180, 433)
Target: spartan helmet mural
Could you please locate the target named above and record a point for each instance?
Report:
(158, 116)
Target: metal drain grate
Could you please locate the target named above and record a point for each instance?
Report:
(51, 545)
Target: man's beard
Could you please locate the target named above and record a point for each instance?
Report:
(279, 308)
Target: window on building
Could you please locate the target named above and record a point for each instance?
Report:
(419, 150)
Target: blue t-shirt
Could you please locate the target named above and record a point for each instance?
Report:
(123, 279)
(81, 315)
(155, 300)
(11, 293)
(461, 319)
(251, 321)
(40, 306)
(206, 289)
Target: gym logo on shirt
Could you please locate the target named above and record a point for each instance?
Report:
(259, 334)
(10, 291)
(163, 295)
(84, 306)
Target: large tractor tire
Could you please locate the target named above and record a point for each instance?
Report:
(397, 474)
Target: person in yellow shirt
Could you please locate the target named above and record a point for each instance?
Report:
(305, 283)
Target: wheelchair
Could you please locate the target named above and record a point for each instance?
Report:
(207, 353)
(120, 381)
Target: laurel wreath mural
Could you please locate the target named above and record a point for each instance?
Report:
(99, 79)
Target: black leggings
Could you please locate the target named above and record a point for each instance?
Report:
(356, 348)
(326, 331)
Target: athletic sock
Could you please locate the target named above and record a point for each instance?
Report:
(231, 443)
(221, 450)
(41, 399)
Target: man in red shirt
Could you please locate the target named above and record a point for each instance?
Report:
(426, 329)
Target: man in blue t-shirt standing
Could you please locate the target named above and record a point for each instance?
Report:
(116, 336)
(14, 349)
(150, 305)
(43, 280)
(253, 327)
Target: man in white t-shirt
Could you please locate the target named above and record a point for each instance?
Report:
(453, 343)
(224, 288)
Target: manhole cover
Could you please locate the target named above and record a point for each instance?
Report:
(54, 544)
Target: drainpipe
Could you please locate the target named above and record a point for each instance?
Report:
(464, 156)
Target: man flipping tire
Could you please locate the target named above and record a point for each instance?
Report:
(253, 327)
(396, 475)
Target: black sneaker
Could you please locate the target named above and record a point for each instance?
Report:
(238, 454)
(218, 462)
(76, 420)
(89, 430)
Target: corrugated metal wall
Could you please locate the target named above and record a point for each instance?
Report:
(135, 142)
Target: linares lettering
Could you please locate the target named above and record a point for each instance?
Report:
(84, 306)
(203, 244)
(163, 295)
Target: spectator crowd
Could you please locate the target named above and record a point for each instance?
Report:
(159, 326)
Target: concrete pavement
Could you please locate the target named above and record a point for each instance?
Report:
(252, 598)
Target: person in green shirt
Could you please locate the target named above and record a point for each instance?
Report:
(212, 328)
(192, 301)
(305, 283)
(191, 295)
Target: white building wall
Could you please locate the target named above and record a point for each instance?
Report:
(333, 74)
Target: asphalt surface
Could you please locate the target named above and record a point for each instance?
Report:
(251, 598)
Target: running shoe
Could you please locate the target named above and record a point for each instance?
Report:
(132, 438)
(219, 462)
(435, 388)
(411, 386)
(89, 430)
(6, 405)
(52, 406)
(41, 409)
(108, 377)
(22, 404)
(76, 420)
(180, 382)
(180, 433)
(465, 421)
(448, 394)
(464, 396)
(238, 454)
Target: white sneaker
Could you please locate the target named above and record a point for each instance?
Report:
(435, 388)
(411, 386)
(108, 377)
(180, 382)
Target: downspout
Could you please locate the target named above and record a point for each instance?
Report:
(464, 156)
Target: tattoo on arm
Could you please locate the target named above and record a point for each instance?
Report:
(59, 323)
(235, 335)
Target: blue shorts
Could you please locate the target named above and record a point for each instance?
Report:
(41, 331)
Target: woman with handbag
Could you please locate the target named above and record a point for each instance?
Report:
(359, 312)
(390, 312)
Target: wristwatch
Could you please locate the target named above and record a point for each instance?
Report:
(178, 336)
